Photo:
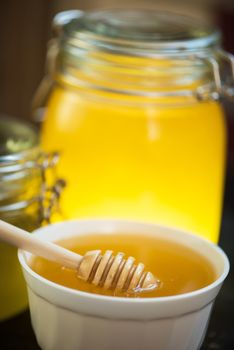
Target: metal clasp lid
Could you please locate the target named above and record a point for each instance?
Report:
(51, 186)
(223, 74)
(228, 87)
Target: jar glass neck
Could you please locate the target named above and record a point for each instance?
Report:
(162, 76)
(144, 53)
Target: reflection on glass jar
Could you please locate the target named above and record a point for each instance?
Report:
(26, 200)
(135, 112)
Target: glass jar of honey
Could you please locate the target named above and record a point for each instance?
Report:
(134, 108)
(29, 193)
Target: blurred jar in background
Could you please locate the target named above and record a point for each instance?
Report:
(27, 199)
(135, 112)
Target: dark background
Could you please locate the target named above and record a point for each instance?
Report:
(25, 28)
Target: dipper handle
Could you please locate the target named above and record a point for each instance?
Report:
(31, 243)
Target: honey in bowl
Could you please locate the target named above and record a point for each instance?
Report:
(178, 269)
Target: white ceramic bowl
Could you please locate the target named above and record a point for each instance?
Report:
(67, 319)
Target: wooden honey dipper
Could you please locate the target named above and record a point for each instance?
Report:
(107, 271)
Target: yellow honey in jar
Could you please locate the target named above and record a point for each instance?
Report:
(135, 119)
(157, 165)
(179, 269)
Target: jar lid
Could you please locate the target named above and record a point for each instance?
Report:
(63, 18)
(145, 30)
(15, 138)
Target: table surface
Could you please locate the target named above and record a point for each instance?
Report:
(17, 333)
